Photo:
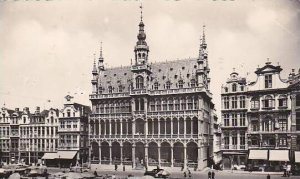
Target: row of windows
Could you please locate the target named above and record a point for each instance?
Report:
(26, 131)
(269, 125)
(234, 88)
(235, 100)
(69, 124)
(70, 140)
(268, 102)
(234, 118)
(4, 131)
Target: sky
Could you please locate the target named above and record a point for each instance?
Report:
(47, 47)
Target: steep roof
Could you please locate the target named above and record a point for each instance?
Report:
(162, 72)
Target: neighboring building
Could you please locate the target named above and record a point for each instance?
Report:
(217, 152)
(73, 134)
(38, 134)
(265, 138)
(5, 144)
(150, 114)
(24, 137)
(234, 121)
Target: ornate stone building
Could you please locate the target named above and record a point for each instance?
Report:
(259, 119)
(150, 114)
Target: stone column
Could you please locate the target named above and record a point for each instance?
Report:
(110, 154)
(99, 128)
(184, 127)
(172, 157)
(158, 148)
(109, 126)
(152, 126)
(133, 156)
(121, 154)
(165, 127)
(192, 127)
(158, 120)
(121, 127)
(146, 155)
(185, 157)
(238, 139)
(126, 127)
(146, 127)
(178, 126)
(100, 153)
(171, 120)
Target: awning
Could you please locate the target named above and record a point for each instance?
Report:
(279, 155)
(50, 156)
(66, 154)
(297, 156)
(258, 155)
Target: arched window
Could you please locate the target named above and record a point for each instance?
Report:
(234, 87)
(268, 102)
(168, 85)
(226, 89)
(255, 103)
(193, 83)
(139, 82)
(180, 84)
(110, 89)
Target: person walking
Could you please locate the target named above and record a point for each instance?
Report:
(288, 170)
(116, 167)
(190, 174)
(184, 174)
(209, 174)
(213, 175)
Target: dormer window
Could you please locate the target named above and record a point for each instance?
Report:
(120, 88)
(234, 87)
(69, 113)
(139, 82)
(226, 89)
(101, 90)
(180, 84)
(156, 86)
(268, 81)
(242, 88)
(110, 89)
(193, 83)
(168, 85)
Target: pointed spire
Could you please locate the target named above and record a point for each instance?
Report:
(101, 59)
(94, 66)
(203, 36)
(141, 7)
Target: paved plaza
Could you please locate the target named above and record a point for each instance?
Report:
(179, 174)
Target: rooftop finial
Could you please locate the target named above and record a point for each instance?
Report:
(203, 36)
(141, 7)
(101, 50)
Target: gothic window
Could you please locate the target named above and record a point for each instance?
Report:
(268, 81)
(139, 82)
(183, 104)
(170, 104)
(255, 103)
(193, 83)
(164, 104)
(268, 102)
(282, 101)
(226, 102)
(177, 105)
(168, 85)
(234, 87)
(158, 105)
(156, 86)
(190, 103)
(180, 84)
(110, 89)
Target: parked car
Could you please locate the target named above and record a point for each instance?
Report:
(239, 167)
(153, 172)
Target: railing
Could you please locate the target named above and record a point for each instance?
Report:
(152, 163)
(109, 95)
(165, 164)
(105, 162)
(69, 129)
(268, 132)
(192, 165)
(178, 164)
(233, 147)
(95, 161)
(139, 91)
(127, 162)
(230, 126)
(176, 91)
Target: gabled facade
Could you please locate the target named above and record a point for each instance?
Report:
(267, 104)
